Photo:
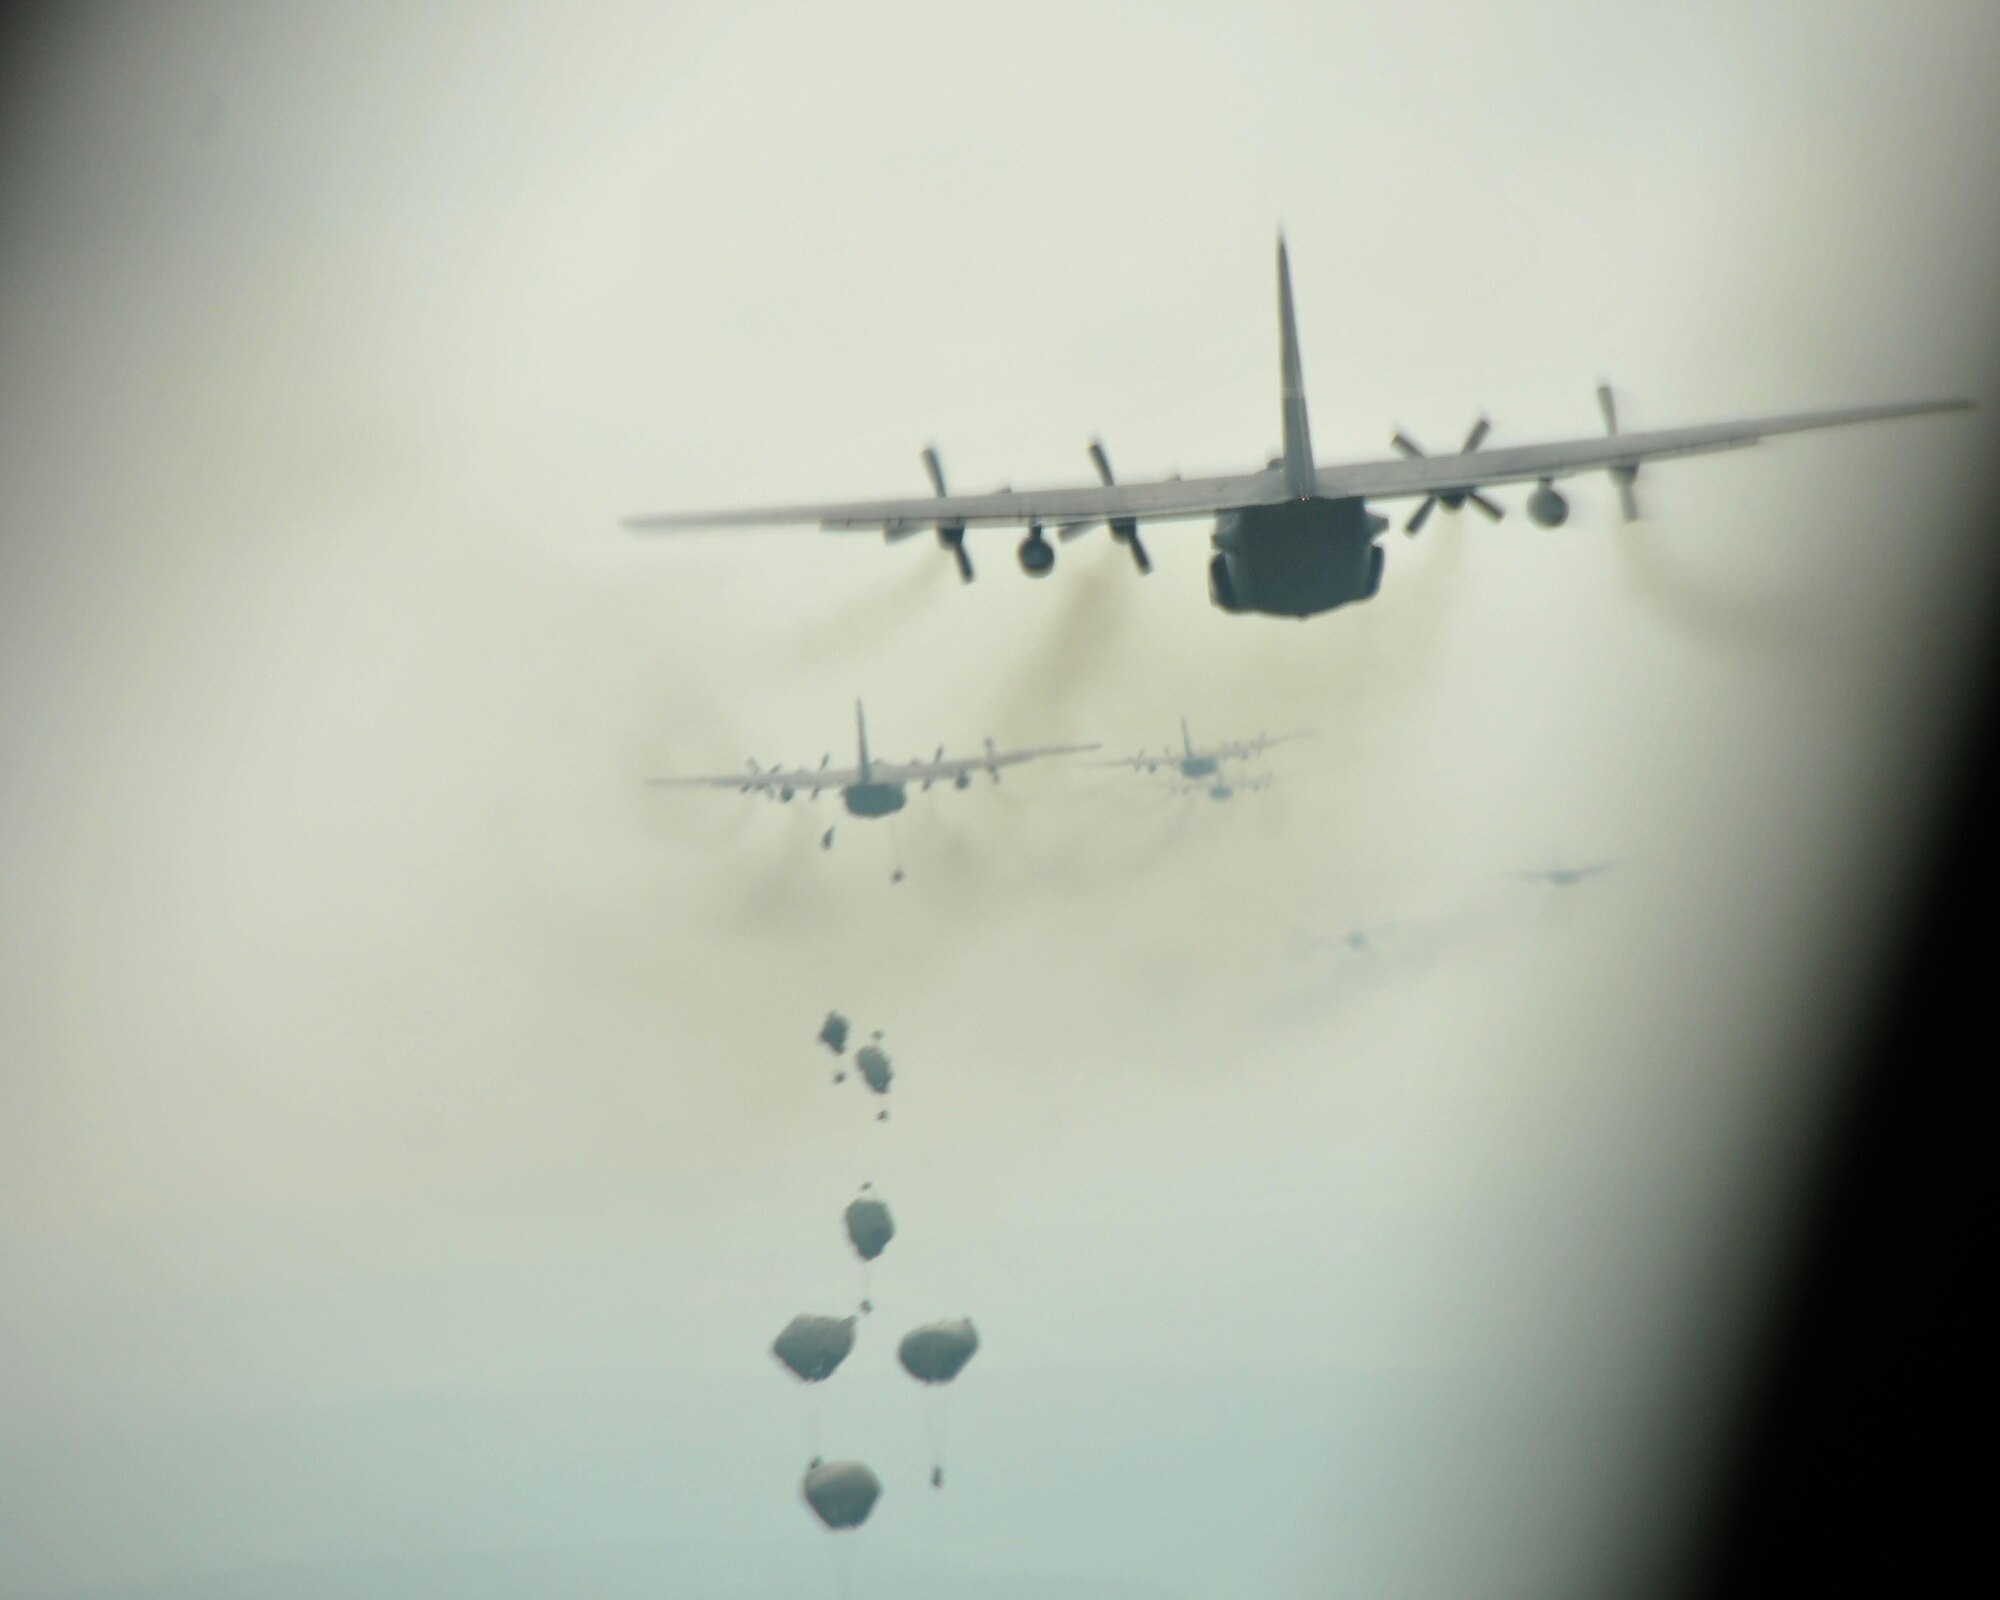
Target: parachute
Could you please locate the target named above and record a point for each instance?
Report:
(938, 1351)
(813, 1347)
(833, 1032)
(934, 1355)
(869, 1226)
(841, 1493)
(873, 1061)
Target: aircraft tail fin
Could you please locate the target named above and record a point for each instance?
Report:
(1187, 739)
(1299, 472)
(861, 738)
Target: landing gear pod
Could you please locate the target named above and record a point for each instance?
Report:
(1221, 587)
(1038, 556)
(1547, 506)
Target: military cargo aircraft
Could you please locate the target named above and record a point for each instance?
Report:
(1194, 762)
(1295, 539)
(1564, 877)
(870, 788)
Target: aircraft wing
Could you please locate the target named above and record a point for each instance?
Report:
(1167, 499)
(1243, 749)
(1388, 480)
(766, 779)
(947, 768)
(1171, 499)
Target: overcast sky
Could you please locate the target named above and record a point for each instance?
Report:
(411, 1131)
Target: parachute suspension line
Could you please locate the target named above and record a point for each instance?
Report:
(938, 1398)
(843, 1567)
(895, 852)
(815, 1416)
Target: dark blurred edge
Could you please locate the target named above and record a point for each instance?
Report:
(34, 36)
(1855, 1458)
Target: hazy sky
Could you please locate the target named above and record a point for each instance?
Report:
(411, 1135)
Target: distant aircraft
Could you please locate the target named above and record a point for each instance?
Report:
(1297, 538)
(1357, 941)
(1194, 763)
(1563, 877)
(871, 788)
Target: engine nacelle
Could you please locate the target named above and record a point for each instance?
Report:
(1038, 556)
(1221, 589)
(1547, 506)
(962, 781)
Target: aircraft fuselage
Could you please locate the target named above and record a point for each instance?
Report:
(1198, 766)
(874, 799)
(1296, 559)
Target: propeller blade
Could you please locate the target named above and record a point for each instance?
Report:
(1628, 501)
(1101, 462)
(1609, 407)
(1069, 530)
(1406, 444)
(952, 536)
(1492, 509)
(1422, 515)
(1127, 532)
(1479, 431)
(932, 466)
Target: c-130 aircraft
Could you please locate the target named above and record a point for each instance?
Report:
(871, 788)
(1295, 539)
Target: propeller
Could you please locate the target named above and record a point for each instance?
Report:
(1450, 499)
(1124, 529)
(992, 759)
(1625, 471)
(936, 760)
(823, 760)
(951, 535)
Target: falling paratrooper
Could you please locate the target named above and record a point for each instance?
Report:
(934, 1355)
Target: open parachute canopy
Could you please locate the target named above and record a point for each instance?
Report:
(873, 1061)
(841, 1493)
(869, 1226)
(813, 1347)
(833, 1032)
(938, 1351)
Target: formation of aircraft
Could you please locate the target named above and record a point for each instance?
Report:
(1295, 538)
(1194, 762)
